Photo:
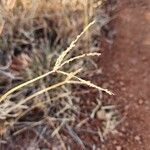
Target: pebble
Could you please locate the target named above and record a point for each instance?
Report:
(123, 129)
(140, 102)
(124, 89)
(112, 82)
(126, 124)
(118, 148)
(121, 83)
(144, 58)
(127, 107)
(114, 142)
(131, 96)
(101, 115)
(137, 138)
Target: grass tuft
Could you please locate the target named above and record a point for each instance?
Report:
(48, 89)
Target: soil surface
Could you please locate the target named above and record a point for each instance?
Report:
(127, 67)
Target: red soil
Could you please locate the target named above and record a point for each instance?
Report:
(127, 66)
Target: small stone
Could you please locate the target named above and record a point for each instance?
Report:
(77, 100)
(101, 115)
(112, 82)
(121, 134)
(118, 148)
(124, 89)
(126, 124)
(144, 58)
(123, 129)
(116, 67)
(114, 142)
(122, 83)
(140, 101)
(137, 138)
(127, 107)
(131, 95)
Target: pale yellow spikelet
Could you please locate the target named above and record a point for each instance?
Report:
(88, 83)
(79, 57)
(72, 45)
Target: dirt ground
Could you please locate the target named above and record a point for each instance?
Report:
(127, 67)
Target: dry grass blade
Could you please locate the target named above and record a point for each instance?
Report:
(72, 45)
(58, 135)
(23, 85)
(88, 83)
(96, 109)
(57, 66)
(75, 136)
(69, 76)
(56, 131)
(79, 57)
(2, 23)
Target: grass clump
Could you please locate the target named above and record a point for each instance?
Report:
(42, 91)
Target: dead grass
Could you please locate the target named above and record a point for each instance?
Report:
(43, 100)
